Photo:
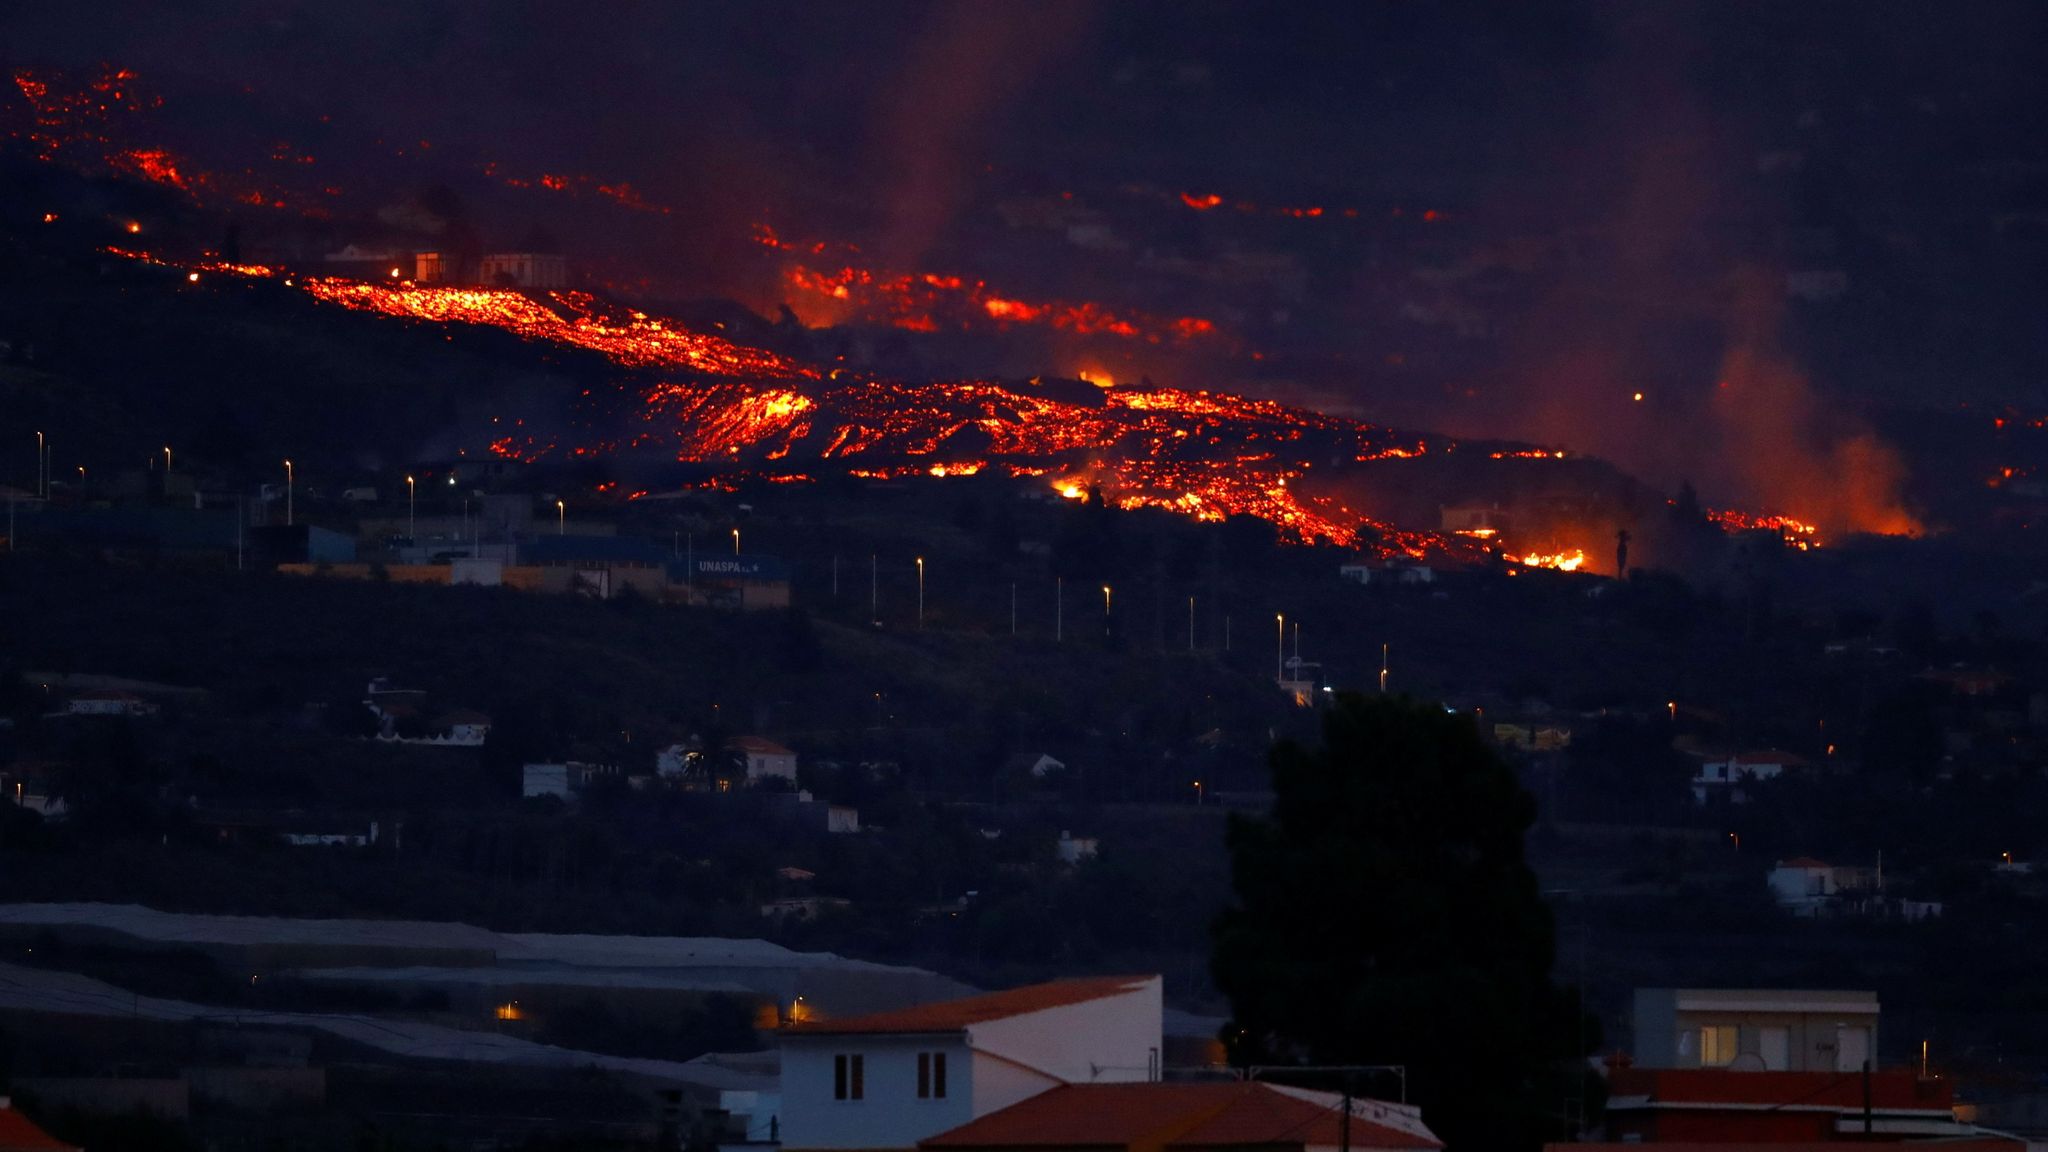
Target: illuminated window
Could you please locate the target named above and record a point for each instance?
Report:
(1717, 1045)
(510, 1011)
(849, 1080)
(931, 1075)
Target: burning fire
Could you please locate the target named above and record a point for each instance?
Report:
(931, 301)
(701, 398)
(1795, 533)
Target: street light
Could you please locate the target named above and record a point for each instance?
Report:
(1280, 646)
(561, 518)
(920, 592)
(167, 459)
(411, 532)
(735, 541)
(287, 496)
(42, 483)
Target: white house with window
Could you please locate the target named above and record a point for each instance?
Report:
(888, 1080)
(1755, 1029)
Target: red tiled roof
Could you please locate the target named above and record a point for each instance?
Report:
(1944, 1144)
(1204, 1115)
(19, 1134)
(1888, 1090)
(955, 1015)
(757, 745)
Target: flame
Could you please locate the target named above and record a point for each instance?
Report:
(701, 398)
(1795, 533)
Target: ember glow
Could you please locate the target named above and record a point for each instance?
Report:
(931, 301)
(699, 398)
(1795, 533)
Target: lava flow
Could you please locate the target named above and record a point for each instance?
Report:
(930, 301)
(695, 397)
(703, 399)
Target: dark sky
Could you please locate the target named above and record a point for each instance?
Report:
(1623, 188)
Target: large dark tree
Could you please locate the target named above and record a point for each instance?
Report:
(1385, 915)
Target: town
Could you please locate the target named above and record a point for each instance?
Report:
(972, 579)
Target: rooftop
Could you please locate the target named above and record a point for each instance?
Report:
(19, 1134)
(958, 1015)
(758, 746)
(1889, 1091)
(1236, 1114)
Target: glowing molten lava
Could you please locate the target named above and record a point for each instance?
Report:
(1570, 561)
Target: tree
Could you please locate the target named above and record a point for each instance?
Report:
(1384, 915)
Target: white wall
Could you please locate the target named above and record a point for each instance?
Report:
(999, 1084)
(889, 1114)
(1116, 1038)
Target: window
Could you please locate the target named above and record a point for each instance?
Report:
(931, 1075)
(1717, 1045)
(849, 1079)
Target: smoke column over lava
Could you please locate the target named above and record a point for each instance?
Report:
(1785, 447)
(965, 67)
(1663, 345)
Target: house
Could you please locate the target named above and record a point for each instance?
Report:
(1809, 887)
(19, 1134)
(892, 1079)
(764, 758)
(464, 727)
(1723, 774)
(1221, 1115)
(1719, 1106)
(563, 780)
(109, 702)
(1073, 849)
(524, 270)
(1772, 1030)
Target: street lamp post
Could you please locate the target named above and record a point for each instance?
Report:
(920, 592)
(167, 459)
(287, 496)
(1280, 646)
(561, 518)
(42, 482)
(1105, 611)
(411, 528)
(735, 541)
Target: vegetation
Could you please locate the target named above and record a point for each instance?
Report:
(1385, 916)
